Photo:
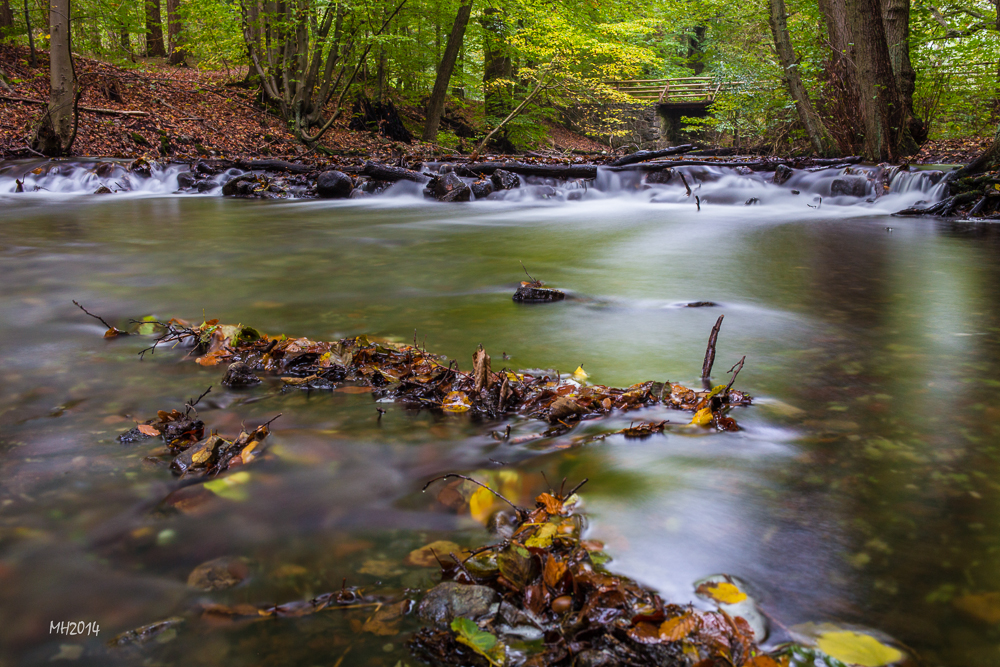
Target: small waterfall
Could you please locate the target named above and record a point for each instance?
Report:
(885, 189)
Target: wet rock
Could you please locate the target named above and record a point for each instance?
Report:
(853, 186)
(660, 177)
(595, 658)
(448, 187)
(505, 180)
(103, 190)
(529, 293)
(700, 304)
(450, 600)
(105, 169)
(186, 180)
(358, 193)
(205, 185)
(141, 167)
(241, 186)
(482, 188)
(334, 184)
(782, 173)
(205, 168)
(240, 375)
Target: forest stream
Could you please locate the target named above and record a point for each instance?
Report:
(860, 490)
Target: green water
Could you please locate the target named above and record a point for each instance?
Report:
(862, 489)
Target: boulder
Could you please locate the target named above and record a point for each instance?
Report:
(244, 185)
(448, 187)
(334, 184)
(853, 186)
(450, 600)
(505, 180)
(534, 293)
(782, 173)
(186, 179)
(482, 188)
(660, 177)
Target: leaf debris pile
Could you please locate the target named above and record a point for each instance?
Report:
(552, 587)
(416, 378)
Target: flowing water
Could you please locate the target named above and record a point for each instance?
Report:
(862, 488)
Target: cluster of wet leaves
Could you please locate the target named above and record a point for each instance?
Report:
(190, 451)
(416, 378)
(558, 605)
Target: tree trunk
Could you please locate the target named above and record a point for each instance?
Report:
(435, 106)
(31, 35)
(57, 129)
(896, 17)
(177, 53)
(6, 20)
(819, 136)
(883, 116)
(497, 66)
(154, 30)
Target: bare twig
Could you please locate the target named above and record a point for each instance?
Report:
(520, 511)
(706, 366)
(738, 366)
(190, 406)
(536, 283)
(96, 317)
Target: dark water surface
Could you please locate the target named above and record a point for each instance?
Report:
(863, 488)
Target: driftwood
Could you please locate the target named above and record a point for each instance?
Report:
(643, 156)
(275, 165)
(111, 112)
(544, 170)
(382, 172)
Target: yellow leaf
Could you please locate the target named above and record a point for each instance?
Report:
(855, 648)
(425, 555)
(723, 592)
(580, 375)
(702, 417)
(230, 487)
(481, 504)
(456, 401)
(542, 539)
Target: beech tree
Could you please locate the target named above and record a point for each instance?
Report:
(56, 130)
(435, 106)
(154, 30)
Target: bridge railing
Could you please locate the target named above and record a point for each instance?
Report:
(680, 89)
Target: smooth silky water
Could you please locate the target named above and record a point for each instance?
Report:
(862, 488)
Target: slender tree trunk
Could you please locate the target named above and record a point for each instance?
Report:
(435, 106)
(31, 35)
(177, 53)
(896, 17)
(886, 131)
(57, 129)
(819, 136)
(154, 30)
(497, 66)
(6, 20)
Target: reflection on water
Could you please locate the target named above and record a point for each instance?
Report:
(862, 488)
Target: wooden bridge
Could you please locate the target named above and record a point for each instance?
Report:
(684, 90)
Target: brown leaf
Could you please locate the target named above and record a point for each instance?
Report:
(554, 571)
(385, 621)
(219, 573)
(147, 429)
(645, 633)
(551, 504)
(424, 556)
(481, 370)
(675, 629)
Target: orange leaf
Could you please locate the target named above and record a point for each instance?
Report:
(676, 629)
(146, 429)
(555, 570)
(551, 504)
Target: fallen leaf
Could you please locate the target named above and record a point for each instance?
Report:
(676, 629)
(424, 556)
(147, 429)
(722, 592)
(580, 375)
(702, 417)
(856, 648)
(456, 401)
(385, 620)
(542, 539)
(480, 641)
(219, 573)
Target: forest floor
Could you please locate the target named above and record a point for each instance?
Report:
(156, 110)
(188, 112)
